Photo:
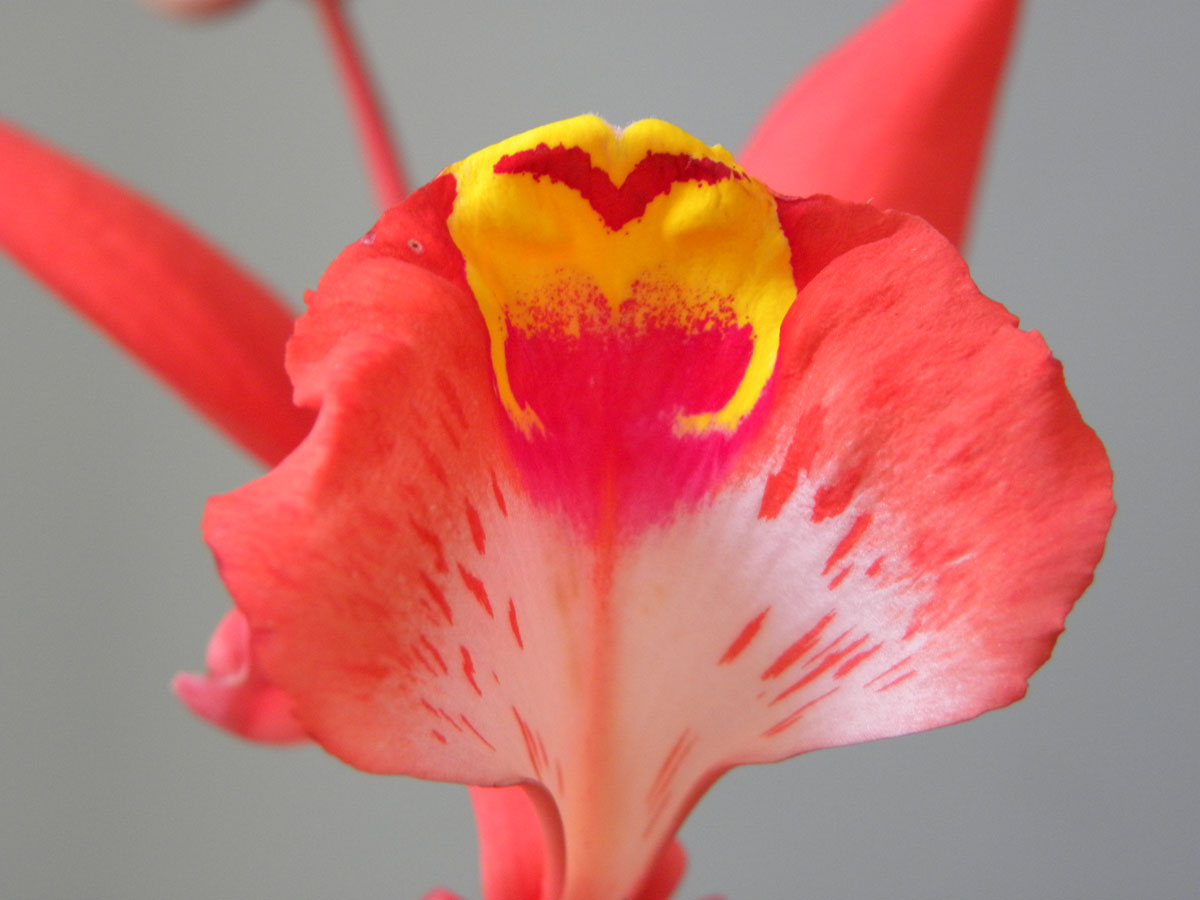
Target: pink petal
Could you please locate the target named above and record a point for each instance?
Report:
(620, 605)
(233, 694)
(897, 115)
(181, 307)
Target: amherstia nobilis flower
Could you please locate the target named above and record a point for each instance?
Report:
(612, 468)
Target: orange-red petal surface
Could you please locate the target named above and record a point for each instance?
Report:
(465, 572)
(174, 302)
(897, 115)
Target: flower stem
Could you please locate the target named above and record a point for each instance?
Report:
(380, 155)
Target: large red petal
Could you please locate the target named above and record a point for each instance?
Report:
(898, 115)
(174, 302)
(893, 542)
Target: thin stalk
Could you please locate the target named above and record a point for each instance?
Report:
(380, 155)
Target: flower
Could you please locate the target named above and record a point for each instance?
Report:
(625, 470)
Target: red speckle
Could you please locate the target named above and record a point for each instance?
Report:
(793, 653)
(742, 641)
(875, 567)
(512, 623)
(438, 597)
(847, 543)
(441, 738)
(652, 176)
(468, 667)
(475, 586)
(476, 527)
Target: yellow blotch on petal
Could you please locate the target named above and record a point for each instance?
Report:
(577, 225)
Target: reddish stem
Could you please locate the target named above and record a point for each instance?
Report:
(378, 147)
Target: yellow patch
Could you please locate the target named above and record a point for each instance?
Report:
(538, 249)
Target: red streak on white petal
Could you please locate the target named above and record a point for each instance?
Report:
(468, 667)
(786, 723)
(828, 663)
(477, 589)
(499, 496)
(514, 625)
(801, 451)
(477, 534)
(851, 664)
(475, 731)
(840, 577)
(428, 645)
(742, 641)
(888, 671)
(792, 654)
(892, 684)
(847, 543)
(433, 542)
(439, 597)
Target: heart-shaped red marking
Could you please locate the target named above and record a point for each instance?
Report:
(653, 175)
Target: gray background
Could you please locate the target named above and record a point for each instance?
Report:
(1086, 228)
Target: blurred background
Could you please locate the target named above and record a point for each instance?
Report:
(1086, 228)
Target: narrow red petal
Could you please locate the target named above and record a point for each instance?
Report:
(233, 694)
(512, 858)
(174, 302)
(898, 115)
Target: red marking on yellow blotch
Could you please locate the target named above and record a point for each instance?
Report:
(476, 587)
(792, 654)
(652, 177)
(476, 527)
(468, 668)
(742, 641)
